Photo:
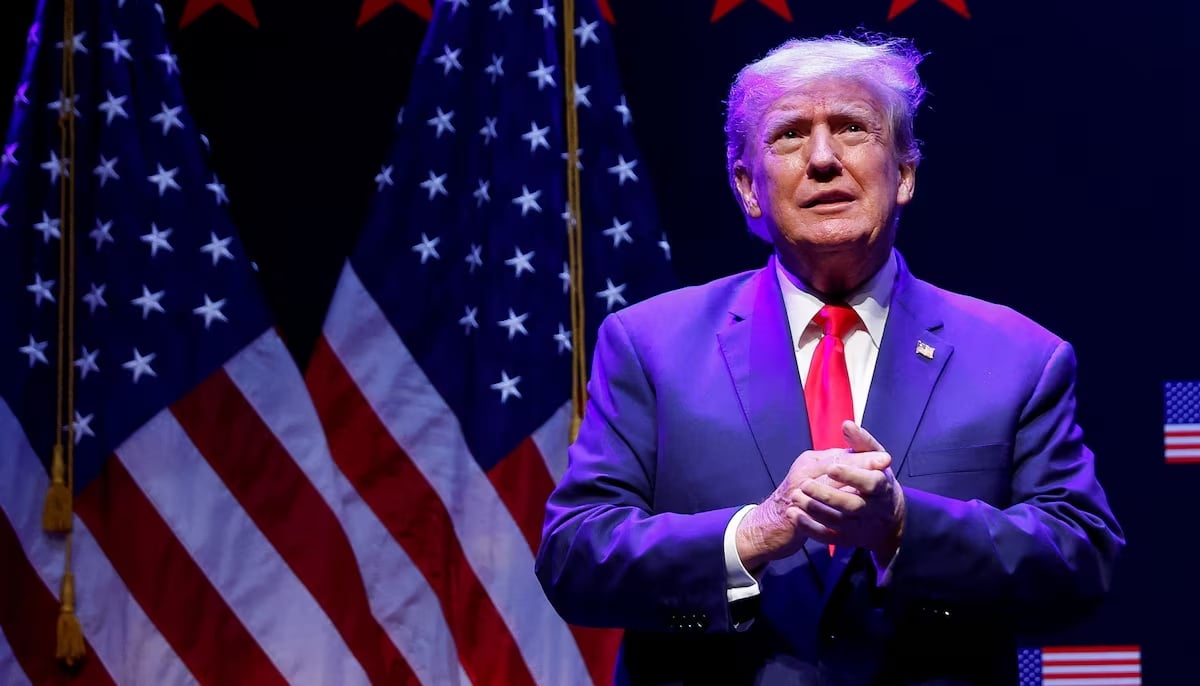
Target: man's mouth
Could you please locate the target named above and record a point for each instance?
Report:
(828, 198)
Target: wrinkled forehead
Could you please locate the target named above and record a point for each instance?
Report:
(843, 97)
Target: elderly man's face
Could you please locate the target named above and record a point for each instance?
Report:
(821, 172)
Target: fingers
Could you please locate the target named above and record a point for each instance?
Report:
(859, 439)
(859, 480)
(825, 504)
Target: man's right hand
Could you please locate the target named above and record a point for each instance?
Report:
(777, 527)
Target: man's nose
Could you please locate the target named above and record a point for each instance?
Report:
(824, 154)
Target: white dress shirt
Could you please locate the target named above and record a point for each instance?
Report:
(871, 303)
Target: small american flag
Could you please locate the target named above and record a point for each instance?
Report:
(1181, 429)
(443, 374)
(1080, 666)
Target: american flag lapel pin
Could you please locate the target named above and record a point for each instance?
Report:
(925, 350)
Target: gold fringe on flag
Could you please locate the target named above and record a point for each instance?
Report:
(574, 230)
(70, 648)
(57, 513)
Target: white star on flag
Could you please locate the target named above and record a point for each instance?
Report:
(158, 239)
(442, 121)
(87, 361)
(140, 364)
(666, 247)
(82, 426)
(106, 170)
(565, 277)
(169, 118)
(563, 338)
(581, 95)
(428, 248)
(48, 227)
(586, 31)
(41, 290)
(623, 170)
(468, 320)
(543, 75)
(149, 302)
(217, 247)
(10, 155)
(536, 137)
(481, 193)
(56, 167)
(489, 129)
(119, 47)
(507, 386)
(501, 8)
(496, 68)
(612, 294)
(578, 165)
(474, 258)
(384, 177)
(449, 59)
(623, 110)
(520, 262)
(619, 232)
(95, 298)
(76, 43)
(169, 61)
(515, 323)
(112, 107)
(218, 190)
(435, 184)
(63, 103)
(546, 12)
(102, 233)
(211, 310)
(35, 350)
(164, 179)
(528, 200)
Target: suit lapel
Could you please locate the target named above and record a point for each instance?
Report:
(758, 349)
(904, 377)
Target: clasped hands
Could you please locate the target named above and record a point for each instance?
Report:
(835, 496)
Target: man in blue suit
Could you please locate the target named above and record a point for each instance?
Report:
(950, 502)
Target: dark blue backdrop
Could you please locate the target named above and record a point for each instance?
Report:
(1059, 177)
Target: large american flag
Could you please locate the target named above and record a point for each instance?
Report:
(443, 374)
(1181, 421)
(1080, 666)
(214, 540)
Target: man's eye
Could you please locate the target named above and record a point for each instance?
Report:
(790, 133)
(854, 128)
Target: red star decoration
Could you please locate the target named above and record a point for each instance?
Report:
(899, 6)
(777, 6)
(370, 8)
(194, 8)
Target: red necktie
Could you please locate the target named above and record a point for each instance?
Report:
(827, 388)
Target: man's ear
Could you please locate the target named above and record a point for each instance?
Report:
(745, 190)
(908, 184)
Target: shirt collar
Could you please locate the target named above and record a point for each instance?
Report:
(870, 301)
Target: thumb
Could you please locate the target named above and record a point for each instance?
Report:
(859, 439)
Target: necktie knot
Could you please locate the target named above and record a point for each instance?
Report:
(836, 320)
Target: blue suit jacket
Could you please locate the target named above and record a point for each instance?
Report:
(696, 409)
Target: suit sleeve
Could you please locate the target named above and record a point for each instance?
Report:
(1046, 558)
(607, 558)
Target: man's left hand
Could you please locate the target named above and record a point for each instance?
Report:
(870, 513)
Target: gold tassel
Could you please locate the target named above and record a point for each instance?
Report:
(56, 514)
(70, 634)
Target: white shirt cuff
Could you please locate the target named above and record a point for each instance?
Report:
(739, 582)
